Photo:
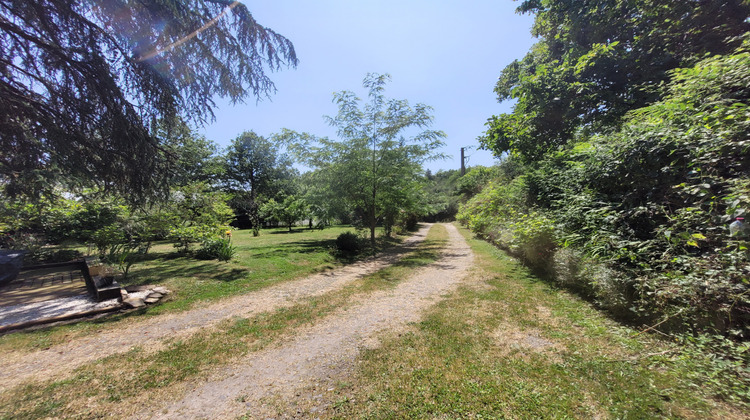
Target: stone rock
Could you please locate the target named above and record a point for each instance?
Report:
(155, 294)
(151, 299)
(134, 302)
(161, 289)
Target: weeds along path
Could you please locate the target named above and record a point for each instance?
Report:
(294, 374)
(16, 368)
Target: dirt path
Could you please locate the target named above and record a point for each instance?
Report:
(16, 368)
(293, 376)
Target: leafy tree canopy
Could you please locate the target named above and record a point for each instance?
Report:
(597, 60)
(194, 158)
(652, 201)
(288, 211)
(254, 171)
(84, 82)
(374, 168)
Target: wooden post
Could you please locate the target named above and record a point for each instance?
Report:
(463, 165)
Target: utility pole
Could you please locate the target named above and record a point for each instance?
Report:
(463, 165)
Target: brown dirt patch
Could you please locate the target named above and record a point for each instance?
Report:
(515, 342)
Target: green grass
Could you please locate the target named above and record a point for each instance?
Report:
(273, 257)
(510, 346)
(506, 345)
(118, 385)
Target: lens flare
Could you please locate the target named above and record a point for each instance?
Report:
(191, 35)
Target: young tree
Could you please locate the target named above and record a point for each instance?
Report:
(289, 211)
(374, 168)
(85, 81)
(320, 200)
(254, 169)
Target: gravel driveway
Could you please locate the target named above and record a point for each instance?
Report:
(294, 373)
(18, 367)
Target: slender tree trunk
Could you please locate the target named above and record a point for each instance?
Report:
(254, 219)
(374, 190)
(373, 221)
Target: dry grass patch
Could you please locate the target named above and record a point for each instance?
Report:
(516, 348)
(515, 342)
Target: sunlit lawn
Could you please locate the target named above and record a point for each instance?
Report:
(126, 381)
(273, 257)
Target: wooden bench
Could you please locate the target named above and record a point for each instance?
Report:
(99, 287)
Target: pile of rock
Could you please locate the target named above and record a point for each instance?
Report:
(140, 296)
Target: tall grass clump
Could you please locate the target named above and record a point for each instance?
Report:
(216, 249)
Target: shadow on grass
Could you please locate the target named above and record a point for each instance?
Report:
(299, 247)
(316, 245)
(382, 244)
(165, 265)
(167, 269)
(113, 318)
(285, 232)
(426, 254)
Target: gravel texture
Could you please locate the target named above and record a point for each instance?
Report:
(296, 373)
(150, 333)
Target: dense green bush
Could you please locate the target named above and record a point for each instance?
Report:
(216, 249)
(183, 237)
(637, 219)
(348, 242)
(613, 290)
(107, 237)
(499, 213)
(121, 235)
(193, 214)
(727, 376)
(60, 220)
(474, 181)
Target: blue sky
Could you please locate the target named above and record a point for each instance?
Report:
(446, 54)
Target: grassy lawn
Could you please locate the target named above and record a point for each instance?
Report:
(271, 258)
(505, 345)
(123, 384)
(510, 346)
